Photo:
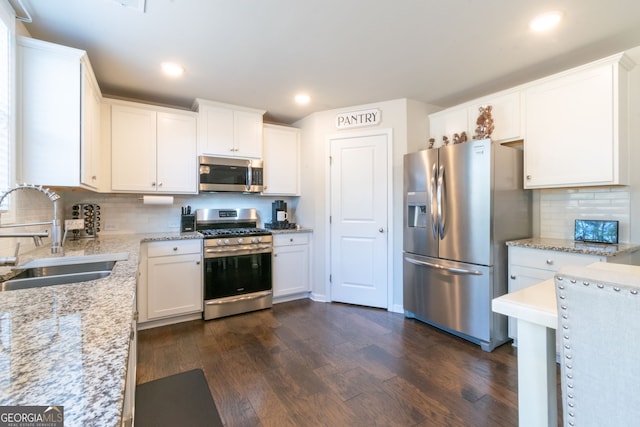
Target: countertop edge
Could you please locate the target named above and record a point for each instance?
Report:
(572, 246)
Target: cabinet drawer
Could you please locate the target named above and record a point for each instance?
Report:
(548, 260)
(290, 239)
(174, 247)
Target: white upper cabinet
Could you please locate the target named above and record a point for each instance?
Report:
(153, 149)
(506, 114)
(91, 149)
(505, 111)
(576, 127)
(58, 126)
(281, 160)
(448, 122)
(229, 130)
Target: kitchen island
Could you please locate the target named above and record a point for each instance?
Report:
(68, 345)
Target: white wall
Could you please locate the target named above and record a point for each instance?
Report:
(409, 122)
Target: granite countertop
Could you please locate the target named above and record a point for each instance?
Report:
(68, 344)
(292, 230)
(562, 245)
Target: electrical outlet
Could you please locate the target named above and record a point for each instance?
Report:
(74, 224)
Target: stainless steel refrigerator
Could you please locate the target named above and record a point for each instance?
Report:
(462, 203)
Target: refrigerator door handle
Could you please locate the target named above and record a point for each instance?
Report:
(432, 204)
(442, 208)
(442, 267)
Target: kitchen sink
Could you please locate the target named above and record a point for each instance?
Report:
(58, 271)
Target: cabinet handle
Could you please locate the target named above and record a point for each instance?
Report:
(291, 239)
(513, 277)
(549, 262)
(275, 255)
(528, 177)
(153, 184)
(93, 177)
(175, 248)
(160, 184)
(197, 262)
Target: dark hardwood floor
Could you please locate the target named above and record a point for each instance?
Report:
(305, 363)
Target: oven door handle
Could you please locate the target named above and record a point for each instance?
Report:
(237, 299)
(225, 250)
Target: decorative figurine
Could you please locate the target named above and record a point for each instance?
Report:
(432, 141)
(445, 140)
(484, 122)
(463, 137)
(456, 138)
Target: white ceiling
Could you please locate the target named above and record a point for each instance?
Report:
(260, 53)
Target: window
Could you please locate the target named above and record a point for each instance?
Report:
(7, 37)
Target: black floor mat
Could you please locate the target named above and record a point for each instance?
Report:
(178, 400)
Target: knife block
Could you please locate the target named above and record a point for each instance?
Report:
(187, 223)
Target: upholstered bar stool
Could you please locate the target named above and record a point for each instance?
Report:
(599, 327)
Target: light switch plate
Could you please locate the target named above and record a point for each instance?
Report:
(73, 224)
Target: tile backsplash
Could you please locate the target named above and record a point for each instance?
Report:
(559, 208)
(125, 213)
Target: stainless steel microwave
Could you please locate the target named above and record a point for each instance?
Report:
(225, 174)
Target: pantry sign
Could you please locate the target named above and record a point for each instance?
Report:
(358, 119)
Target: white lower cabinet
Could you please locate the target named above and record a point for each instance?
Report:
(171, 279)
(290, 264)
(529, 266)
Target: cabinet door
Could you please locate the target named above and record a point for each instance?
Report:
(281, 156)
(520, 278)
(248, 135)
(48, 130)
(290, 270)
(133, 149)
(91, 146)
(174, 285)
(448, 122)
(216, 131)
(570, 130)
(505, 111)
(177, 162)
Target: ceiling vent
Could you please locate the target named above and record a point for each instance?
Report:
(132, 4)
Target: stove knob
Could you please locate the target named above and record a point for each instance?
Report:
(254, 240)
(226, 241)
(240, 240)
(259, 239)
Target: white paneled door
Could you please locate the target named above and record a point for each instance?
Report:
(359, 202)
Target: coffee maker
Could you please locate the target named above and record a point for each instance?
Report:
(279, 216)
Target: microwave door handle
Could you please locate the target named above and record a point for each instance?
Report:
(249, 176)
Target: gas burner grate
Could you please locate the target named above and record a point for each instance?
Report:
(232, 232)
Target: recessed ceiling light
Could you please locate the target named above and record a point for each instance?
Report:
(302, 99)
(172, 69)
(546, 21)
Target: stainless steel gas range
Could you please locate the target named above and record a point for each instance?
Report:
(237, 262)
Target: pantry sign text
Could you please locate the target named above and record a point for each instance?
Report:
(358, 119)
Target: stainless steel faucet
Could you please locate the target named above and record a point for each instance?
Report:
(56, 224)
